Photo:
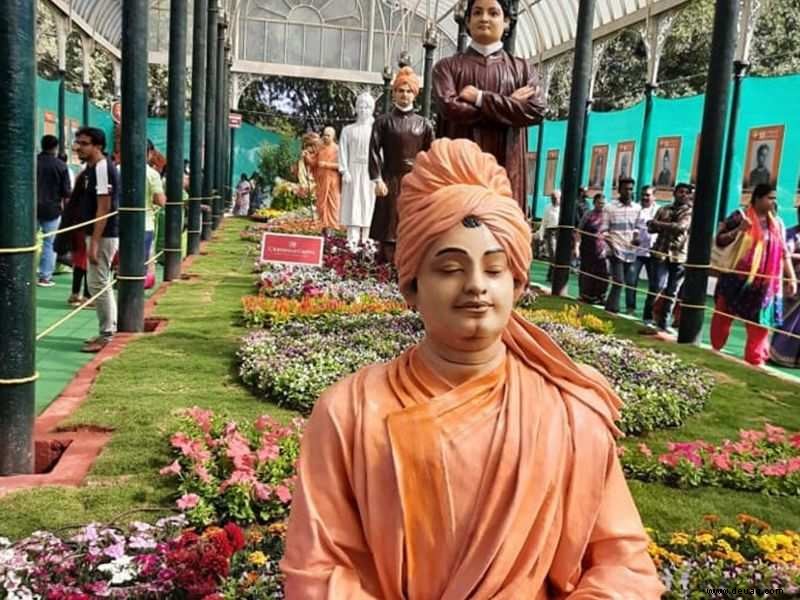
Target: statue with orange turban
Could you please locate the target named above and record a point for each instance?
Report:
(487, 95)
(396, 138)
(324, 165)
(480, 464)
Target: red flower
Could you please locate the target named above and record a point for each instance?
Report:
(235, 535)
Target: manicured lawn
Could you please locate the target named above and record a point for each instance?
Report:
(192, 363)
(139, 392)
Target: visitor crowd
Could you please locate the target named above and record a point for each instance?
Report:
(755, 258)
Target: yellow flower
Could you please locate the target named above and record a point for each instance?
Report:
(679, 539)
(705, 539)
(724, 545)
(730, 532)
(735, 557)
(257, 558)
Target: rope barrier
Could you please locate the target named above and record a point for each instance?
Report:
(657, 294)
(135, 209)
(154, 259)
(666, 255)
(20, 380)
(21, 249)
(172, 250)
(79, 225)
(74, 312)
(131, 277)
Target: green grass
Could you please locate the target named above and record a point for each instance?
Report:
(192, 363)
(743, 398)
(138, 394)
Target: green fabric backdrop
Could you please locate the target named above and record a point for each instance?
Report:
(764, 102)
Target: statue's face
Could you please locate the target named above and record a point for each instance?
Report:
(403, 95)
(363, 109)
(465, 289)
(487, 22)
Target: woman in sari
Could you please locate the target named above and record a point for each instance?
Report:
(785, 349)
(753, 291)
(593, 280)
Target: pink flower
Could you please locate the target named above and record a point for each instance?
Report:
(268, 452)
(188, 501)
(775, 470)
(721, 462)
(284, 494)
(793, 465)
(201, 417)
(201, 471)
(645, 450)
(181, 441)
(775, 435)
(671, 460)
(795, 440)
(264, 422)
(749, 435)
(197, 452)
(747, 467)
(173, 469)
(238, 477)
(262, 492)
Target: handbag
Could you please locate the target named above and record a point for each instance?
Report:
(724, 258)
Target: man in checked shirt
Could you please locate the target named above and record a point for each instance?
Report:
(620, 229)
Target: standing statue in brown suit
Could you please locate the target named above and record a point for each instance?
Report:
(488, 96)
(397, 137)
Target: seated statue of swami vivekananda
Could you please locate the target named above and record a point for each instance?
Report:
(480, 464)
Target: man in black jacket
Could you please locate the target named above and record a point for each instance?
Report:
(52, 191)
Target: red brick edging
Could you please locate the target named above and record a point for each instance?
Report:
(83, 444)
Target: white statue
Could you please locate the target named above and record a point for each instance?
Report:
(358, 191)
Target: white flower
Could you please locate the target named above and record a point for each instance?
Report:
(121, 569)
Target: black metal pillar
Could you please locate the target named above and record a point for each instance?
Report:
(87, 96)
(430, 45)
(17, 236)
(197, 136)
(219, 161)
(539, 162)
(209, 170)
(463, 35)
(739, 71)
(232, 158)
(723, 46)
(62, 111)
(644, 167)
(175, 118)
(226, 157)
(133, 148)
(581, 78)
(387, 89)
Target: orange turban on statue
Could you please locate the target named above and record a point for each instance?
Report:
(451, 181)
(406, 75)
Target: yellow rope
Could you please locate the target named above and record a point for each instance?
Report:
(656, 294)
(154, 259)
(135, 209)
(130, 278)
(20, 380)
(173, 250)
(74, 312)
(20, 250)
(79, 225)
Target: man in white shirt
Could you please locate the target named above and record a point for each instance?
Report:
(548, 231)
(621, 226)
(646, 239)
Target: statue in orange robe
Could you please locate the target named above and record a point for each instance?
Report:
(325, 168)
(481, 463)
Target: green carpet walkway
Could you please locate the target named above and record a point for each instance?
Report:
(58, 355)
(736, 341)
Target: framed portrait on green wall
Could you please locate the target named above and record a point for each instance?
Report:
(623, 165)
(598, 168)
(668, 154)
(764, 148)
(530, 172)
(550, 172)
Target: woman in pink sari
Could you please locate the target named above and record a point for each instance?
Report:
(754, 292)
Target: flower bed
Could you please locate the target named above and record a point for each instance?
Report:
(259, 311)
(569, 315)
(229, 471)
(767, 461)
(264, 215)
(293, 362)
(658, 389)
(282, 281)
(744, 556)
(164, 560)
